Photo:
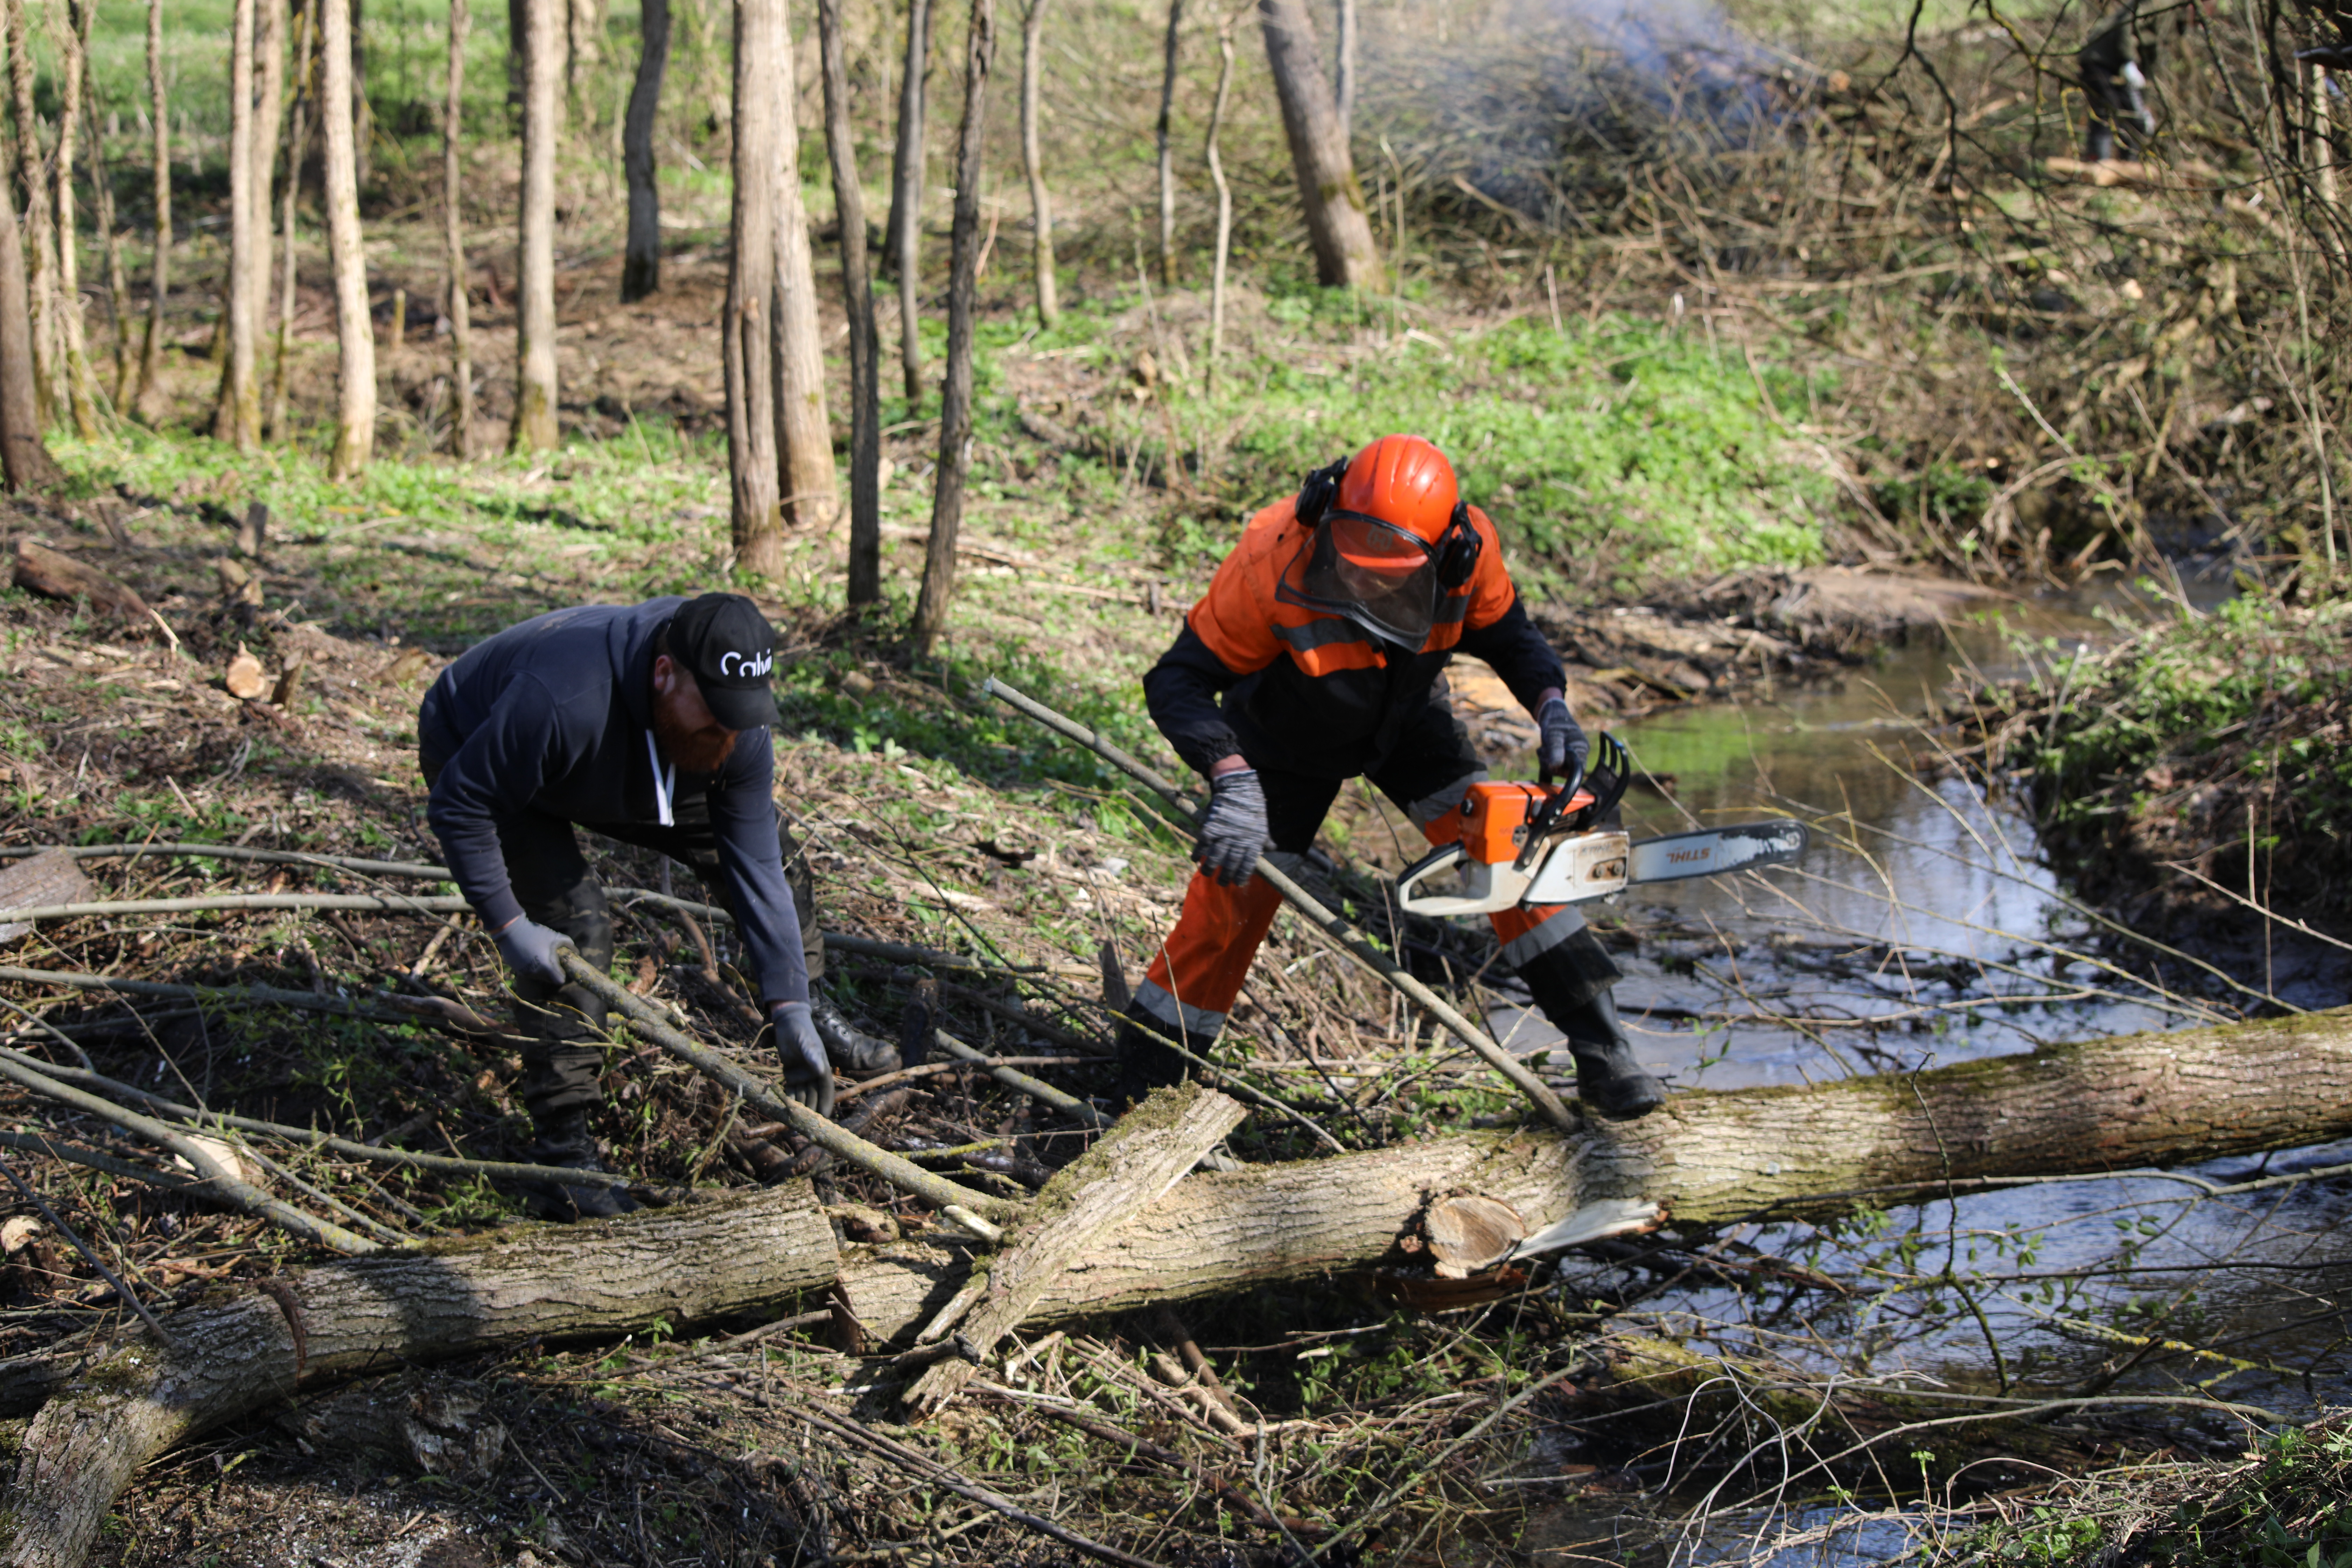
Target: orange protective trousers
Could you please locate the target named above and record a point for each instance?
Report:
(1199, 971)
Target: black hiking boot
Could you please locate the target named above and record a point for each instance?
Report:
(566, 1141)
(856, 1054)
(1145, 1060)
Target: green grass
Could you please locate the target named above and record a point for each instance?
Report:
(1610, 455)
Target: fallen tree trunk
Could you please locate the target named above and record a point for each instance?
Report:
(120, 1403)
(2127, 1103)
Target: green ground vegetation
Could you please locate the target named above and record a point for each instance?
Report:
(2217, 739)
(2281, 1506)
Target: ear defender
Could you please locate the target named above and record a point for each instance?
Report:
(1457, 554)
(1317, 491)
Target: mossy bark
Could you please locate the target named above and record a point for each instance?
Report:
(127, 1399)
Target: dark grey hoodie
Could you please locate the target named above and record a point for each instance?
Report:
(556, 716)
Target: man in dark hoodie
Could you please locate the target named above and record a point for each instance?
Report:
(651, 724)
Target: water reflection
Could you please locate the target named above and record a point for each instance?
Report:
(1920, 906)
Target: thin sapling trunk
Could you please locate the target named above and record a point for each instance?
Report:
(955, 395)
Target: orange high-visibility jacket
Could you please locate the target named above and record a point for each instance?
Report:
(1305, 691)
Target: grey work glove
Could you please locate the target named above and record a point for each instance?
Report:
(808, 1071)
(1563, 750)
(1233, 832)
(530, 949)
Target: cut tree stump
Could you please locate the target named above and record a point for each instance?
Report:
(1128, 1171)
(58, 576)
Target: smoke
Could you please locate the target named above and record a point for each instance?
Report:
(1550, 106)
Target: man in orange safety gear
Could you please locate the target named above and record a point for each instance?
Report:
(1317, 655)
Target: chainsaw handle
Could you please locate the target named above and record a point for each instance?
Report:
(1549, 814)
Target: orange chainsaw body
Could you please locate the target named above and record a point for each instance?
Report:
(1495, 817)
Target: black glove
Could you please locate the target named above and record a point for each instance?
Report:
(530, 949)
(1233, 832)
(808, 1071)
(1563, 750)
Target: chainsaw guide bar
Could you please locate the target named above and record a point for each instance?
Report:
(1493, 866)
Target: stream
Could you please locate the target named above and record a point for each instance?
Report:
(1924, 929)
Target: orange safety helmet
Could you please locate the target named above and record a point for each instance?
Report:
(1405, 482)
(1390, 533)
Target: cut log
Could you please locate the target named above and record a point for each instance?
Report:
(52, 876)
(122, 1402)
(58, 576)
(1128, 1172)
(1467, 1233)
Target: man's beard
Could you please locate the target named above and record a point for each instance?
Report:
(691, 751)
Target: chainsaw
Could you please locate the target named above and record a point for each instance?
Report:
(1540, 844)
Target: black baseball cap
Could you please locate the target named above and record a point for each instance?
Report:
(731, 649)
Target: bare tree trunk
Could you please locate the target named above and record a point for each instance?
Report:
(1345, 255)
(362, 113)
(24, 458)
(955, 395)
(1041, 209)
(583, 28)
(117, 284)
(750, 288)
(150, 356)
(1168, 145)
(269, 25)
(517, 32)
(534, 417)
(907, 156)
(809, 490)
(69, 33)
(237, 417)
(461, 315)
(1126, 1172)
(1345, 95)
(354, 334)
(641, 264)
(297, 139)
(39, 234)
(865, 585)
(1224, 197)
(904, 242)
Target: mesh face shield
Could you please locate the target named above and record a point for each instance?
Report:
(1375, 574)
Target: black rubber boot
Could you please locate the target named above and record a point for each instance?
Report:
(1608, 1077)
(565, 1139)
(1145, 1062)
(1571, 983)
